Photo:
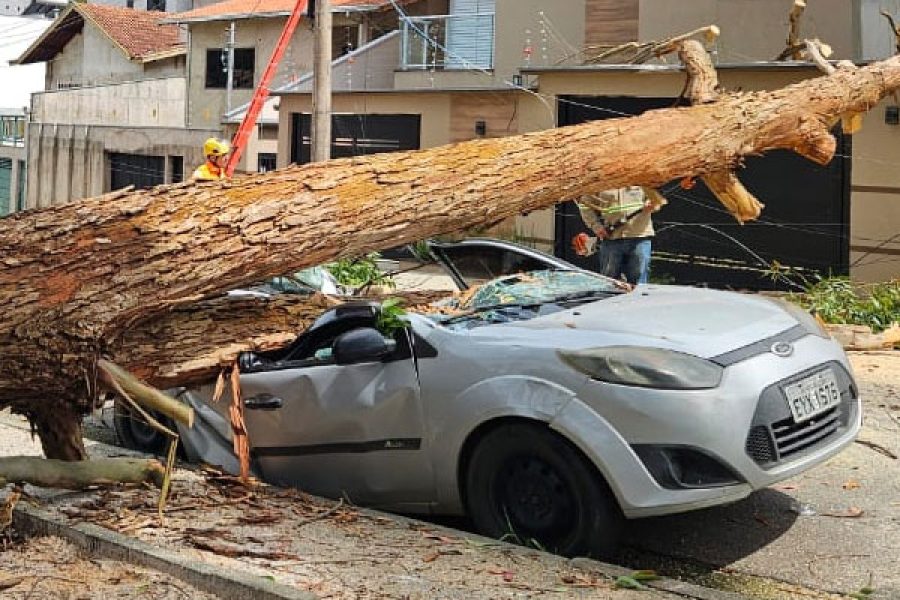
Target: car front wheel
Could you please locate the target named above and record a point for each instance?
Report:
(526, 484)
(135, 433)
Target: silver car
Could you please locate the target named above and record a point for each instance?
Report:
(546, 405)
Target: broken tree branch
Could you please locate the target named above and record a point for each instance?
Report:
(793, 44)
(79, 475)
(702, 80)
(641, 52)
(814, 50)
(118, 379)
(894, 29)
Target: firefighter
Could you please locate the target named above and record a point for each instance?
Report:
(216, 153)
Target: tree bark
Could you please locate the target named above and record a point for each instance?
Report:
(78, 278)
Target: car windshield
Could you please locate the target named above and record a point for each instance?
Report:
(527, 295)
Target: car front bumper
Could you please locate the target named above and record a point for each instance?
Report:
(607, 421)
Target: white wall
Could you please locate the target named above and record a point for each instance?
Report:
(146, 103)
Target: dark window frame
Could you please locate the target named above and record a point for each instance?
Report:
(359, 134)
(270, 159)
(216, 77)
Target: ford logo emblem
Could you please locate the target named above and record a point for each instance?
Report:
(782, 349)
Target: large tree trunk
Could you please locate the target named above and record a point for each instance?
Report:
(77, 278)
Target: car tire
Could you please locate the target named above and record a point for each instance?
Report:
(529, 485)
(135, 434)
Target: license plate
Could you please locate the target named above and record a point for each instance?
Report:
(812, 395)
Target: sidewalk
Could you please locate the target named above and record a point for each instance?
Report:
(329, 549)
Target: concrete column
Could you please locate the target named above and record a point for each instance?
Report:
(47, 166)
(34, 166)
(63, 185)
(79, 163)
(98, 183)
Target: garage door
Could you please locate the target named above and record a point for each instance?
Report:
(135, 169)
(5, 185)
(805, 225)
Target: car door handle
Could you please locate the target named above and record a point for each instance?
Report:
(263, 402)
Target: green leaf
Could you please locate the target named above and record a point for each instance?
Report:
(628, 583)
(645, 575)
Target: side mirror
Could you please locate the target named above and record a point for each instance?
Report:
(365, 344)
(247, 361)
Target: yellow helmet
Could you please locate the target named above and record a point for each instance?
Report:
(214, 147)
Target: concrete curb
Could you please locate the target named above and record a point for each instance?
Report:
(665, 584)
(225, 583)
(231, 584)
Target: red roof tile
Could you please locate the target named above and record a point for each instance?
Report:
(138, 32)
(267, 7)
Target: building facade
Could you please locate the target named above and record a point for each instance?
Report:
(112, 113)
(480, 68)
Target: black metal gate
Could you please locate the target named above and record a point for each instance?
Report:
(805, 224)
(135, 169)
(358, 135)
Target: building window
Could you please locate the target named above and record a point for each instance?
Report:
(135, 169)
(266, 162)
(358, 135)
(217, 68)
(129, 3)
(20, 193)
(268, 131)
(159, 5)
(176, 169)
(5, 183)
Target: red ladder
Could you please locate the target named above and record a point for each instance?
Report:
(262, 90)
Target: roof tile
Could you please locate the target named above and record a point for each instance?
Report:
(139, 32)
(263, 7)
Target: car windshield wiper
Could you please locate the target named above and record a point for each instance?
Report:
(586, 294)
(492, 307)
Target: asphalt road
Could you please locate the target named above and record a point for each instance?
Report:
(836, 528)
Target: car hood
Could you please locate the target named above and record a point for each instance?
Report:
(697, 321)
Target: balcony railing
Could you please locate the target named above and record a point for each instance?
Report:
(448, 42)
(12, 130)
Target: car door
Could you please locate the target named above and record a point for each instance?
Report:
(334, 430)
(474, 261)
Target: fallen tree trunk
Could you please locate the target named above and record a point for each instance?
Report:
(66, 475)
(193, 343)
(77, 278)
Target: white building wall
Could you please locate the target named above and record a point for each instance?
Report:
(146, 103)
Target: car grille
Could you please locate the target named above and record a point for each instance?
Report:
(774, 437)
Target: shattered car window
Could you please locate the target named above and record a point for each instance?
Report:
(525, 296)
(536, 287)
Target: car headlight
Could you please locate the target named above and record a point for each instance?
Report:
(809, 323)
(645, 367)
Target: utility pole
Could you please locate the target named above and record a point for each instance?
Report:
(321, 103)
(229, 77)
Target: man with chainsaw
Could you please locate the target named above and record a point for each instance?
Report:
(216, 153)
(621, 220)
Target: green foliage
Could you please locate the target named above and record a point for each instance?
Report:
(391, 317)
(634, 581)
(839, 300)
(359, 272)
(421, 252)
